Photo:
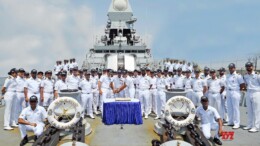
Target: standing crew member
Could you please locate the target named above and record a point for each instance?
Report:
(129, 85)
(199, 87)
(94, 78)
(187, 86)
(234, 84)
(60, 84)
(252, 81)
(32, 86)
(47, 88)
(9, 91)
(153, 94)
(223, 77)
(161, 96)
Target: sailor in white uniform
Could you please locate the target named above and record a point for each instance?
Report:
(66, 65)
(20, 104)
(144, 86)
(60, 84)
(71, 65)
(153, 93)
(86, 87)
(178, 80)
(47, 89)
(73, 82)
(75, 64)
(32, 118)
(135, 81)
(56, 68)
(234, 83)
(187, 86)
(9, 91)
(209, 116)
(161, 85)
(118, 81)
(104, 86)
(32, 87)
(224, 107)
(252, 80)
(128, 85)
(215, 89)
(94, 78)
(199, 87)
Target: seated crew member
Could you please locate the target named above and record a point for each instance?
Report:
(209, 115)
(32, 119)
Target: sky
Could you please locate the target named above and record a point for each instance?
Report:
(36, 33)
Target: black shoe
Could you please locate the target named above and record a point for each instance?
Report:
(217, 141)
(35, 138)
(24, 141)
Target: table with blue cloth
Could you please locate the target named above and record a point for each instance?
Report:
(122, 112)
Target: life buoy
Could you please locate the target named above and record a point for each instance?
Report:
(187, 108)
(63, 105)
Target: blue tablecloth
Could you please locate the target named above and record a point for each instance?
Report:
(116, 112)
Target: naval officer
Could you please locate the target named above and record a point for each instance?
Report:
(252, 80)
(47, 89)
(94, 77)
(187, 86)
(199, 87)
(20, 102)
(86, 86)
(32, 86)
(223, 77)
(178, 80)
(128, 85)
(118, 81)
(209, 115)
(32, 118)
(161, 85)
(60, 84)
(9, 91)
(234, 83)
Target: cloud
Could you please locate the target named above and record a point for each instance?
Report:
(37, 33)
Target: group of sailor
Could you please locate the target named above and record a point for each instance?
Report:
(223, 92)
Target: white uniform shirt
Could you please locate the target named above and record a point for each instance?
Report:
(118, 82)
(20, 84)
(208, 116)
(60, 85)
(33, 85)
(66, 67)
(73, 82)
(233, 81)
(95, 81)
(252, 81)
(75, 64)
(48, 85)
(178, 81)
(161, 83)
(168, 80)
(171, 67)
(144, 82)
(198, 84)
(153, 82)
(71, 65)
(177, 65)
(215, 85)
(129, 82)
(86, 86)
(37, 116)
(105, 81)
(187, 83)
(10, 84)
(135, 80)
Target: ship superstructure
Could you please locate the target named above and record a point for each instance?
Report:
(120, 47)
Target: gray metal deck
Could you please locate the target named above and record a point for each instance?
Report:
(132, 135)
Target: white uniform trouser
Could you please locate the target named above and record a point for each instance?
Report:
(38, 130)
(87, 101)
(153, 101)
(10, 103)
(253, 109)
(37, 95)
(233, 99)
(189, 95)
(48, 98)
(130, 92)
(197, 96)
(144, 99)
(105, 94)
(137, 93)
(215, 101)
(95, 100)
(161, 101)
(20, 104)
(224, 106)
(206, 128)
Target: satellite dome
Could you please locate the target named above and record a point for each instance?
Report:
(120, 5)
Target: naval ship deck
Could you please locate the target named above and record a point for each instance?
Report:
(132, 135)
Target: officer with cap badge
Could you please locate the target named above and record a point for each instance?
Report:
(187, 86)
(73, 82)
(234, 83)
(199, 87)
(161, 85)
(32, 86)
(9, 91)
(178, 79)
(47, 89)
(223, 77)
(144, 86)
(20, 104)
(60, 84)
(215, 89)
(94, 78)
(32, 118)
(86, 87)
(210, 120)
(252, 81)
